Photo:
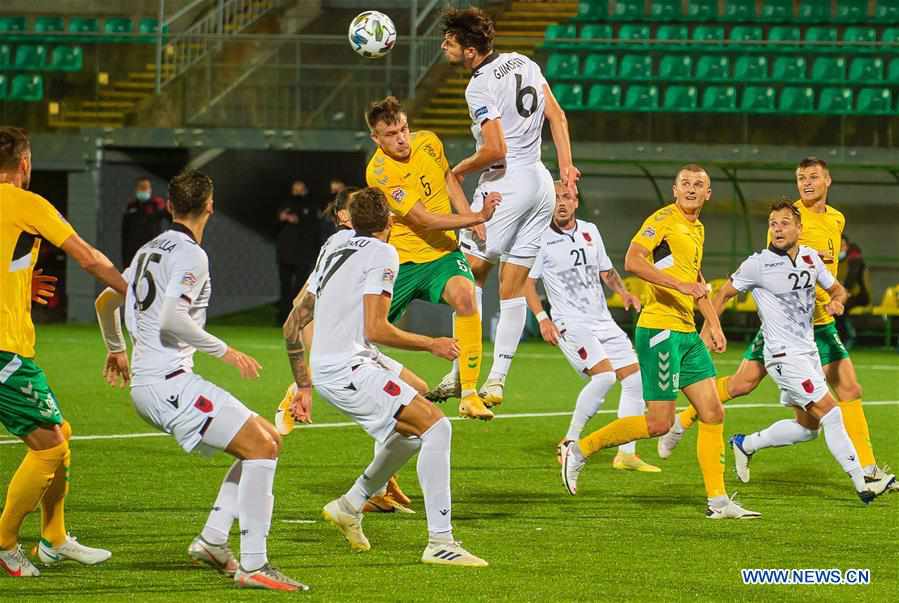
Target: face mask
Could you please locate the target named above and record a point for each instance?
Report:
(142, 195)
(843, 255)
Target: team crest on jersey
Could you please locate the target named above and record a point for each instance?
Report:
(650, 232)
(582, 353)
(808, 260)
(392, 388)
(587, 237)
(203, 404)
(398, 195)
(808, 386)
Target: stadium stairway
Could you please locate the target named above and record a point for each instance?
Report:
(520, 27)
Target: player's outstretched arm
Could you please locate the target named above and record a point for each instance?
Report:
(637, 262)
(548, 329)
(613, 281)
(107, 304)
(492, 151)
(379, 330)
(460, 203)
(94, 263)
(558, 127)
(422, 219)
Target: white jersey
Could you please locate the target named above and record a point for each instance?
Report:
(171, 265)
(570, 262)
(361, 266)
(334, 241)
(509, 86)
(784, 291)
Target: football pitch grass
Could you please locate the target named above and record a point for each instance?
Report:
(625, 537)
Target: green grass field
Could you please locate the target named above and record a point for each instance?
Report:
(625, 536)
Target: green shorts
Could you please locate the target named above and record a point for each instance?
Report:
(426, 281)
(26, 400)
(827, 339)
(671, 360)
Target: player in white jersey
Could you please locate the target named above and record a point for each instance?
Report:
(165, 312)
(573, 265)
(352, 297)
(782, 281)
(508, 100)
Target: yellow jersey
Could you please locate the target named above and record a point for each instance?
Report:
(422, 178)
(823, 233)
(676, 246)
(25, 218)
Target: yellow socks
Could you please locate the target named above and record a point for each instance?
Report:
(710, 452)
(688, 417)
(721, 386)
(619, 431)
(468, 332)
(27, 487)
(857, 427)
(53, 523)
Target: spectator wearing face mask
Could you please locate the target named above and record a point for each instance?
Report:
(145, 218)
(853, 274)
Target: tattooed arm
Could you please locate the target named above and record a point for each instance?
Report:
(297, 336)
(613, 281)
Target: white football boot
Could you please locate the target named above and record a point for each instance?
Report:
(571, 466)
(741, 457)
(16, 564)
(731, 511)
(492, 392)
(876, 486)
(268, 578)
(71, 549)
(668, 442)
(450, 553)
(449, 387)
(339, 514)
(217, 556)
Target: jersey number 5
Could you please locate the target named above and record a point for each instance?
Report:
(521, 94)
(143, 273)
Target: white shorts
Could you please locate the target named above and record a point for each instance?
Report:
(585, 344)
(799, 377)
(369, 394)
(523, 215)
(200, 415)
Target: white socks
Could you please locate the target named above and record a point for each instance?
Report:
(389, 457)
(434, 476)
(841, 447)
(588, 403)
(783, 433)
(256, 502)
(225, 509)
(631, 404)
(512, 316)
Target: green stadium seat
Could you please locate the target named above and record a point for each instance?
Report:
(675, 67)
(797, 99)
(776, 11)
(864, 70)
(784, 36)
(664, 10)
(570, 96)
(835, 101)
(627, 10)
(680, 98)
(829, 69)
(30, 57)
(636, 67)
(27, 87)
(563, 66)
(712, 35)
(814, 11)
(561, 36)
(116, 29)
(148, 28)
(592, 10)
(67, 58)
(753, 68)
(597, 32)
(747, 33)
(886, 11)
(702, 10)
(637, 35)
(601, 67)
(719, 99)
(87, 27)
(641, 98)
(890, 38)
(713, 68)
(758, 99)
(671, 37)
(862, 36)
(739, 11)
(893, 71)
(4, 87)
(789, 69)
(5, 56)
(49, 25)
(819, 35)
(874, 101)
(11, 25)
(604, 97)
(851, 11)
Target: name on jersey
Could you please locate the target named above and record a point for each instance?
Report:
(359, 243)
(162, 245)
(507, 67)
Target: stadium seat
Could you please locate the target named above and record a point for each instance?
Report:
(818, 36)
(785, 38)
(893, 71)
(634, 35)
(835, 101)
(829, 69)
(701, 10)
(627, 10)
(886, 11)
(116, 29)
(888, 308)
(719, 99)
(601, 67)
(5, 56)
(890, 37)
(713, 68)
(88, 27)
(30, 57)
(570, 96)
(49, 25)
(636, 67)
(776, 11)
(674, 67)
(604, 97)
(148, 28)
(814, 11)
(789, 69)
(864, 70)
(851, 11)
(747, 33)
(664, 10)
(563, 66)
(66, 58)
(561, 36)
(739, 11)
(592, 10)
(758, 99)
(11, 25)
(641, 98)
(4, 87)
(672, 37)
(751, 68)
(597, 32)
(862, 37)
(27, 87)
(712, 35)
(680, 98)
(796, 99)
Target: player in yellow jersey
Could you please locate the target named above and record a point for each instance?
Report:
(28, 407)
(822, 229)
(412, 170)
(667, 253)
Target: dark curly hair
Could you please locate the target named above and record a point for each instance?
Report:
(471, 27)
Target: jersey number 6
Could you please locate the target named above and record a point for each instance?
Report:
(521, 94)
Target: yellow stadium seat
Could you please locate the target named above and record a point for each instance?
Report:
(888, 308)
(747, 305)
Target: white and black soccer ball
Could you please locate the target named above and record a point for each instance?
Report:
(372, 34)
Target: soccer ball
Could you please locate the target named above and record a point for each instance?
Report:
(372, 34)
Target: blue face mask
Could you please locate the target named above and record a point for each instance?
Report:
(142, 196)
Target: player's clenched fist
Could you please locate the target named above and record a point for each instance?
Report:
(247, 365)
(445, 347)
